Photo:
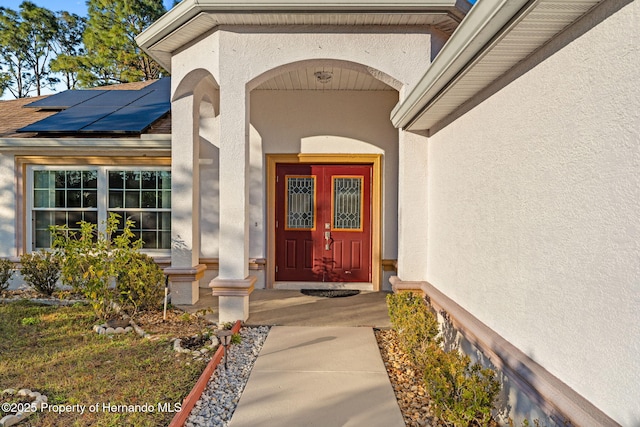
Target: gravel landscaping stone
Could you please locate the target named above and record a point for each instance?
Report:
(221, 396)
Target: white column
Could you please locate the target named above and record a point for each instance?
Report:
(233, 284)
(412, 207)
(185, 270)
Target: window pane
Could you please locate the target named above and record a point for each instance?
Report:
(149, 239)
(74, 198)
(132, 199)
(74, 218)
(165, 221)
(136, 218)
(90, 179)
(43, 219)
(90, 199)
(164, 180)
(60, 181)
(43, 239)
(116, 179)
(60, 217)
(149, 179)
(74, 179)
(300, 202)
(164, 199)
(165, 240)
(91, 216)
(347, 203)
(132, 180)
(60, 199)
(41, 198)
(150, 220)
(148, 199)
(41, 179)
(116, 199)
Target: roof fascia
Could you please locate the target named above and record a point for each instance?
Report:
(483, 23)
(186, 10)
(9, 144)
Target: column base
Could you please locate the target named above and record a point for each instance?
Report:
(184, 284)
(233, 298)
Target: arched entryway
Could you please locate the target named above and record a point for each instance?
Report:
(323, 128)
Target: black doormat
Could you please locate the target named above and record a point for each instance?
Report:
(330, 293)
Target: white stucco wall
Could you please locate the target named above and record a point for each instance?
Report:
(534, 213)
(7, 206)
(412, 207)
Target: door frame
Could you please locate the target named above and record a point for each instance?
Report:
(337, 159)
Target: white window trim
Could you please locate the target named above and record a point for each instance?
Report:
(102, 196)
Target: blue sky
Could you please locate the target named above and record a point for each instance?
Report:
(74, 6)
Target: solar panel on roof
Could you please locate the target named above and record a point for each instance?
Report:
(69, 120)
(112, 111)
(65, 99)
(114, 98)
(128, 119)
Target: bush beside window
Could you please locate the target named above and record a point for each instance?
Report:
(107, 268)
(140, 284)
(41, 271)
(6, 272)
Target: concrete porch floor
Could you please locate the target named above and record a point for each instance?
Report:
(292, 308)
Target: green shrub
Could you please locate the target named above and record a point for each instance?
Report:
(93, 259)
(463, 394)
(415, 323)
(140, 284)
(41, 270)
(236, 338)
(6, 272)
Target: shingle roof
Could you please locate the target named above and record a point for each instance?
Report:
(13, 116)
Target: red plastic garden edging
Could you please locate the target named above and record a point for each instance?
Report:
(190, 401)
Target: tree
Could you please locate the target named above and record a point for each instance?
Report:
(5, 79)
(70, 50)
(26, 46)
(112, 53)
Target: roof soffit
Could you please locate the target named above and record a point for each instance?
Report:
(494, 37)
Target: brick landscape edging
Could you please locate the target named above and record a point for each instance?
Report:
(194, 395)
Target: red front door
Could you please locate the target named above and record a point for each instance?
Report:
(323, 223)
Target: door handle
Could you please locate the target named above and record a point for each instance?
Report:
(327, 240)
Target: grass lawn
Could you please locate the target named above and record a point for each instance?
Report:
(52, 350)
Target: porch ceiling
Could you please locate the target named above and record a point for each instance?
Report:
(341, 79)
(494, 37)
(191, 19)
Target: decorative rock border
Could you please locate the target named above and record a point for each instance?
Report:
(13, 419)
(197, 354)
(104, 329)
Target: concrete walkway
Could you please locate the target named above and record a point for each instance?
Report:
(318, 376)
(291, 308)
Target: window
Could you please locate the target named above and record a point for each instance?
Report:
(67, 195)
(145, 198)
(347, 202)
(300, 202)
